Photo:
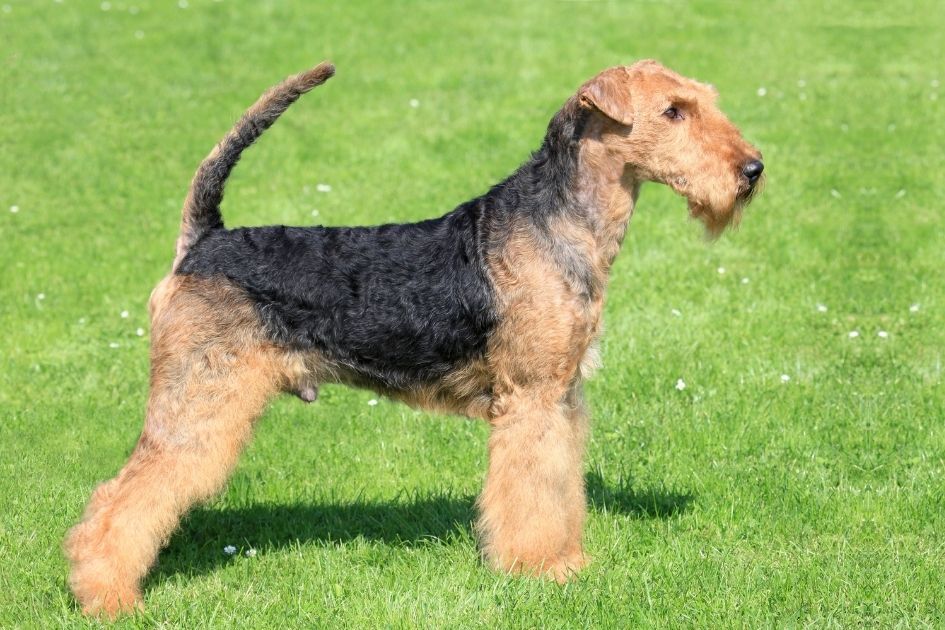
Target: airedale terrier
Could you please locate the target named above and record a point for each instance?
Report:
(492, 311)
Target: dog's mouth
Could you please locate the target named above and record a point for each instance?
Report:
(747, 191)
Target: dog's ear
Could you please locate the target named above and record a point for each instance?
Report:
(609, 93)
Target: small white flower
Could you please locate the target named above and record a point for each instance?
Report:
(882, 334)
(40, 296)
(182, 4)
(372, 402)
(229, 550)
(835, 193)
(140, 332)
(139, 34)
(314, 212)
(323, 188)
(785, 378)
(414, 103)
(901, 194)
(676, 312)
(113, 345)
(250, 553)
(821, 308)
(14, 209)
(124, 314)
(762, 91)
(745, 280)
(853, 334)
(81, 320)
(680, 384)
(914, 308)
(721, 270)
(106, 6)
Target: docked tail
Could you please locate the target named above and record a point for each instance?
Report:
(202, 207)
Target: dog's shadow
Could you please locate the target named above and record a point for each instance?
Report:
(197, 547)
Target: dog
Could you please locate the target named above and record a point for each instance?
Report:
(492, 311)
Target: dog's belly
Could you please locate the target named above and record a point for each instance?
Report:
(399, 306)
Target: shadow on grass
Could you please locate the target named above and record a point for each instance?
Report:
(197, 547)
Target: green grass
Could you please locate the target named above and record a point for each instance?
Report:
(740, 501)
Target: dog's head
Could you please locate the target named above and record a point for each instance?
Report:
(668, 129)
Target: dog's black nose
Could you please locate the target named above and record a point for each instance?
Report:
(753, 171)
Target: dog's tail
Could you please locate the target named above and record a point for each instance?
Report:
(202, 206)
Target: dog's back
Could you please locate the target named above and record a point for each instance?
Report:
(396, 304)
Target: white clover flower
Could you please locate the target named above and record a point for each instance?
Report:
(414, 103)
(745, 280)
(113, 345)
(785, 378)
(40, 296)
(762, 91)
(140, 332)
(676, 312)
(853, 334)
(314, 212)
(229, 550)
(372, 402)
(914, 308)
(14, 209)
(721, 270)
(323, 187)
(124, 314)
(901, 194)
(821, 308)
(250, 553)
(835, 193)
(680, 384)
(882, 334)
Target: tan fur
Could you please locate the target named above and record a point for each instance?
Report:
(533, 505)
(213, 371)
(211, 377)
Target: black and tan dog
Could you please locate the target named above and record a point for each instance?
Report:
(491, 311)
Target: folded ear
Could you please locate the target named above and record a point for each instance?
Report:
(609, 93)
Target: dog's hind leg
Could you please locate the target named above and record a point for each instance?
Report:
(211, 377)
(532, 505)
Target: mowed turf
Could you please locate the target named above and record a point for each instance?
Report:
(797, 477)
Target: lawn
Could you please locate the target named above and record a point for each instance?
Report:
(797, 479)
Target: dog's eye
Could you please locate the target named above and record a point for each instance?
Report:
(673, 114)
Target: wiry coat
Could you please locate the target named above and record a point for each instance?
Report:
(491, 311)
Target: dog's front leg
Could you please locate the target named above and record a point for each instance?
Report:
(532, 506)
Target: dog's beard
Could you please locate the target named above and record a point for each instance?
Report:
(718, 216)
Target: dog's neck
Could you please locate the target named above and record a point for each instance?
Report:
(607, 191)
